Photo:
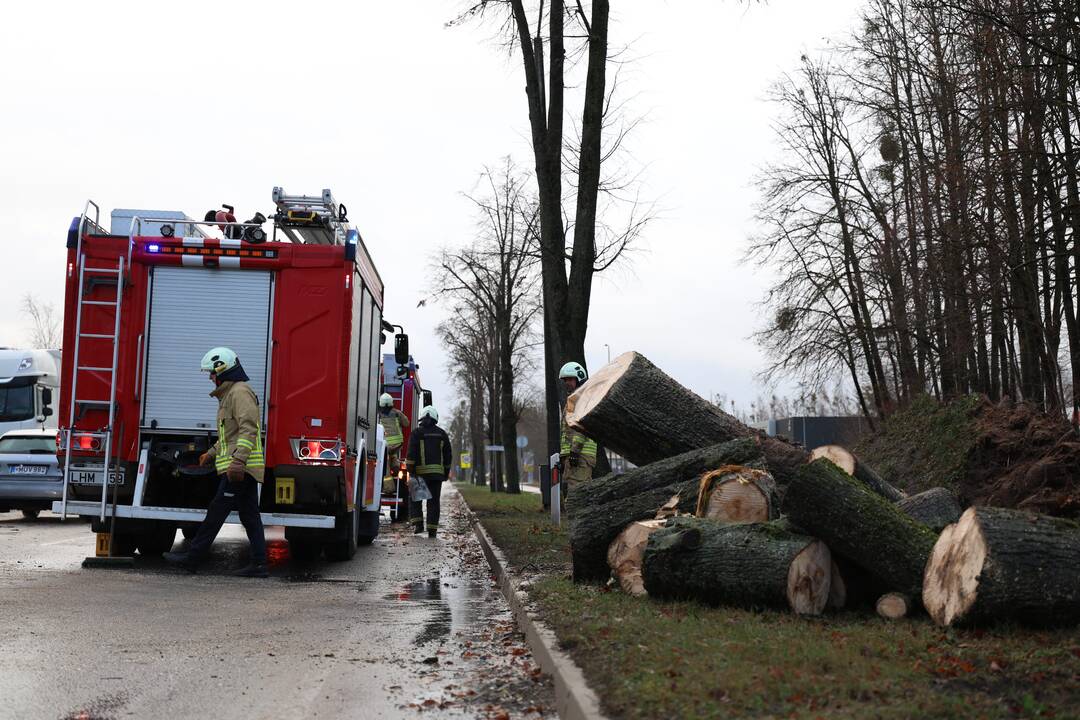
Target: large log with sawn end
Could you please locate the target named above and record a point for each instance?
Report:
(598, 510)
(846, 461)
(737, 494)
(640, 412)
(860, 525)
(750, 565)
(996, 563)
(935, 508)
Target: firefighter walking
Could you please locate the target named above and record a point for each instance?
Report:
(238, 458)
(429, 458)
(577, 453)
(393, 422)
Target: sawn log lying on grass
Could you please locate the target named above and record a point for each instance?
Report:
(860, 525)
(637, 410)
(738, 494)
(846, 461)
(598, 510)
(934, 508)
(996, 564)
(750, 565)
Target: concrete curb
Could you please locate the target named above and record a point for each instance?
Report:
(574, 699)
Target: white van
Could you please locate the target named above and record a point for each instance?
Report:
(29, 388)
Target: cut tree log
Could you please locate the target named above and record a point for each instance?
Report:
(598, 510)
(626, 553)
(935, 508)
(752, 565)
(893, 606)
(846, 461)
(860, 525)
(635, 409)
(996, 563)
(737, 494)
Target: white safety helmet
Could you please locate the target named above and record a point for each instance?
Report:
(431, 412)
(385, 400)
(573, 370)
(218, 360)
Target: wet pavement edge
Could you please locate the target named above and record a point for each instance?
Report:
(574, 699)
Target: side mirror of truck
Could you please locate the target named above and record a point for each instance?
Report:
(46, 411)
(401, 349)
(46, 397)
(427, 398)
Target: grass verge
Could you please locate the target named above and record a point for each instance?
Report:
(650, 659)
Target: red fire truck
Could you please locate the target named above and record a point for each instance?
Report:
(402, 382)
(301, 307)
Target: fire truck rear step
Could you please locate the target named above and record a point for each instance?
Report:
(193, 515)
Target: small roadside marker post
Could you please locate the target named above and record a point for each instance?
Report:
(556, 491)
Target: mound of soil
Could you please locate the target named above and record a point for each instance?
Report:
(1022, 458)
(1008, 454)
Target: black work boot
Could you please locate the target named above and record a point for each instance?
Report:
(253, 570)
(431, 530)
(180, 560)
(418, 528)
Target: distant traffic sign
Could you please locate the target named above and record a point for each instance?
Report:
(522, 442)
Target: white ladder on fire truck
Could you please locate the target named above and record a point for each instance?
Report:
(104, 435)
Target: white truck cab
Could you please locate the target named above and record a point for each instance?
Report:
(29, 388)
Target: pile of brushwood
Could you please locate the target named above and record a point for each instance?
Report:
(719, 512)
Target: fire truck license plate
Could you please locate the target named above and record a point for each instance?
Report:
(92, 476)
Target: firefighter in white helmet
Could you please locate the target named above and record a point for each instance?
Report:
(429, 459)
(394, 423)
(577, 453)
(238, 458)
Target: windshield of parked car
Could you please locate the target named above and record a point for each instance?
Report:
(17, 400)
(28, 444)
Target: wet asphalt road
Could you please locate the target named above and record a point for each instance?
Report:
(410, 628)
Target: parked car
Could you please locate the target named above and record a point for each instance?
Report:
(30, 477)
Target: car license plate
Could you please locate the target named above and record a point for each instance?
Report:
(92, 476)
(29, 469)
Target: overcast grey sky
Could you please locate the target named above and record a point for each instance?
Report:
(187, 105)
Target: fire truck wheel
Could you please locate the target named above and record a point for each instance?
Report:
(341, 550)
(156, 539)
(30, 514)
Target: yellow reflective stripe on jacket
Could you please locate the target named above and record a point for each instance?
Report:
(256, 459)
(566, 442)
(423, 468)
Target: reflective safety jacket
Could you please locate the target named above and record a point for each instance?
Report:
(392, 423)
(429, 450)
(239, 430)
(575, 443)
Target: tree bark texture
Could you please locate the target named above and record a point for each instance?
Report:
(997, 564)
(754, 565)
(860, 525)
(598, 510)
(637, 410)
(846, 461)
(934, 508)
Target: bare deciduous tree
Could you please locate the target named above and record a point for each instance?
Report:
(44, 330)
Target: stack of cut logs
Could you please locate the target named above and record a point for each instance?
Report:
(719, 512)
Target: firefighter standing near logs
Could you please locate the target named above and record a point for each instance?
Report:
(393, 422)
(577, 453)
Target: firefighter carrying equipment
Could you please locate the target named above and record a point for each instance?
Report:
(429, 450)
(239, 444)
(429, 411)
(575, 446)
(385, 400)
(218, 360)
(573, 370)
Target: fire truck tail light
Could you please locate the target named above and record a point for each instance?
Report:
(316, 450)
(85, 443)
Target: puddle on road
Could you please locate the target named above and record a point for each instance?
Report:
(458, 604)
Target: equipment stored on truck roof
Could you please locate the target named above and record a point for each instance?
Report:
(302, 308)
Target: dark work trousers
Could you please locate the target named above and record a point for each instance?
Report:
(416, 512)
(243, 497)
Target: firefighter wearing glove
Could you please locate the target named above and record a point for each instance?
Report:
(577, 453)
(238, 458)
